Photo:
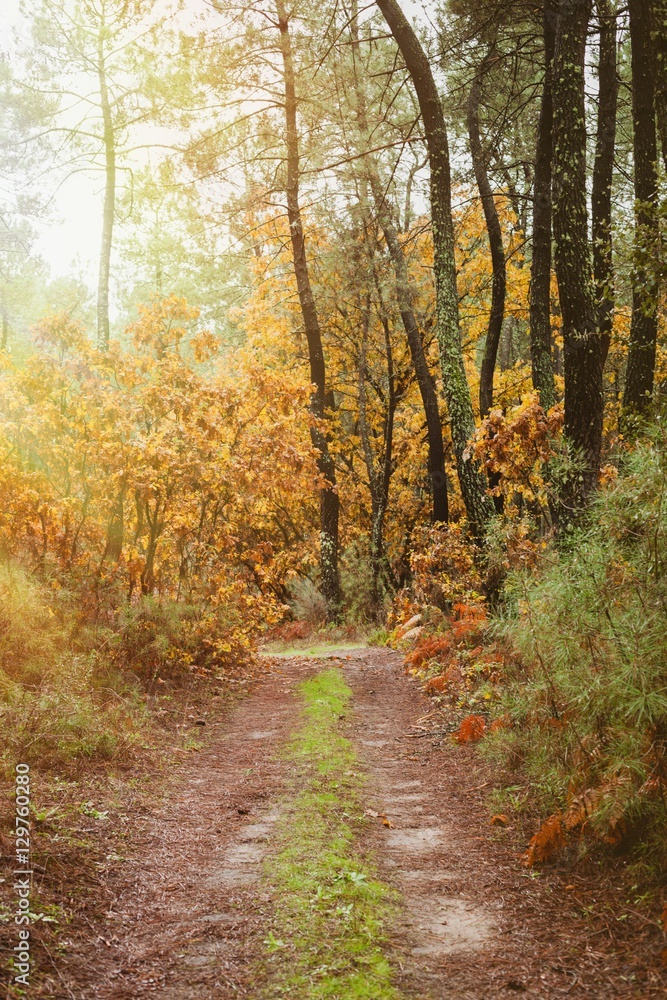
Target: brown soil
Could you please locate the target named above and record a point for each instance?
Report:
(476, 923)
(183, 916)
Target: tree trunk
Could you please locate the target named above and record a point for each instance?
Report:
(436, 451)
(479, 507)
(540, 276)
(644, 329)
(659, 38)
(329, 504)
(116, 527)
(493, 228)
(603, 170)
(103, 329)
(584, 355)
(155, 528)
(379, 473)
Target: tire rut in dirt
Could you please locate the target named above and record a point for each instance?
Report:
(188, 914)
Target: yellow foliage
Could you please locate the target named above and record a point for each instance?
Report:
(132, 469)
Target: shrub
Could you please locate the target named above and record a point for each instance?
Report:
(443, 567)
(151, 636)
(589, 683)
(307, 602)
(52, 707)
(156, 635)
(362, 601)
(30, 634)
(456, 663)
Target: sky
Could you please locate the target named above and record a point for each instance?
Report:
(69, 236)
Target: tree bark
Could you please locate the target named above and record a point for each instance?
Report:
(640, 373)
(540, 277)
(436, 451)
(584, 355)
(329, 503)
(116, 526)
(603, 170)
(493, 228)
(379, 473)
(109, 212)
(479, 507)
(659, 39)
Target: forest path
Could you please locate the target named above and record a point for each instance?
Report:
(194, 912)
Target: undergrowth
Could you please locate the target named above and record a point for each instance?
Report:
(586, 686)
(99, 713)
(569, 673)
(58, 702)
(328, 934)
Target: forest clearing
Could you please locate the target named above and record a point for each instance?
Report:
(333, 499)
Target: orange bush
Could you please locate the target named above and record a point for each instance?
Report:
(443, 567)
(517, 447)
(471, 730)
(428, 650)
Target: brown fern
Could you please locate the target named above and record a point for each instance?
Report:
(548, 841)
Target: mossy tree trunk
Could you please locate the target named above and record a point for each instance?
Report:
(659, 39)
(540, 274)
(493, 228)
(479, 507)
(583, 344)
(603, 170)
(386, 219)
(329, 503)
(640, 373)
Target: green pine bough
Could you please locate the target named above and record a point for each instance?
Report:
(328, 935)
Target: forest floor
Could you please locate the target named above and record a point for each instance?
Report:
(327, 841)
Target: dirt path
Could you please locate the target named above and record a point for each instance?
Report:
(190, 906)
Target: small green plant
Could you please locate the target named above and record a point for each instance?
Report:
(88, 809)
(379, 637)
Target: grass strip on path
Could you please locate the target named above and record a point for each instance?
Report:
(327, 938)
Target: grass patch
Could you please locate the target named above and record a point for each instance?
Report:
(328, 934)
